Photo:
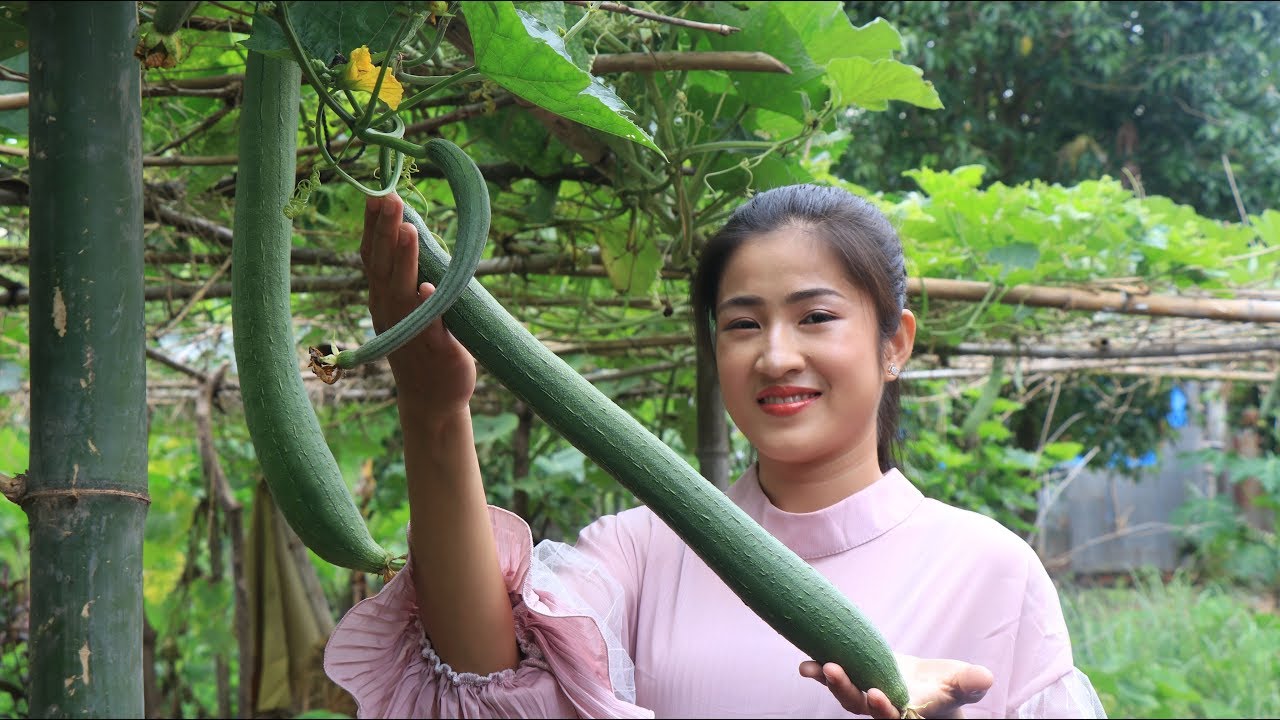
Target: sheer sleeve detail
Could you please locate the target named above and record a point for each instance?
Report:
(567, 610)
(1071, 696)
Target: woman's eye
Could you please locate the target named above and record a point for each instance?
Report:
(818, 317)
(740, 324)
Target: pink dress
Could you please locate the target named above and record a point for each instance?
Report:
(631, 623)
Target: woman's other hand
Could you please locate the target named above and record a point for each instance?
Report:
(938, 688)
(433, 370)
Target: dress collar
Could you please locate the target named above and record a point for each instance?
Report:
(857, 519)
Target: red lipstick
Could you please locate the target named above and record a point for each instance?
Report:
(786, 400)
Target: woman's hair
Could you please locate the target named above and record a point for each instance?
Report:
(861, 237)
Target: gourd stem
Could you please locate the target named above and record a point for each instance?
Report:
(453, 79)
(472, 199)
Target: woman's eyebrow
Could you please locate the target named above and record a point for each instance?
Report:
(802, 295)
(791, 299)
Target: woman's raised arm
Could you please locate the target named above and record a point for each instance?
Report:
(462, 598)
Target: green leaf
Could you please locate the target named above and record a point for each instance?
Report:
(770, 125)
(1018, 255)
(518, 137)
(631, 263)
(325, 29)
(559, 17)
(1268, 226)
(873, 83)
(13, 32)
(995, 431)
(1063, 450)
(764, 28)
(488, 428)
(519, 53)
(934, 183)
(828, 34)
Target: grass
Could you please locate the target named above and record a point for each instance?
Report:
(1175, 650)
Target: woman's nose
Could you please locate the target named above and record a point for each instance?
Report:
(779, 355)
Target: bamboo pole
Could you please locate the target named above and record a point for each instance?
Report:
(1079, 299)
(1062, 298)
(1145, 351)
(1154, 371)
(86, 496)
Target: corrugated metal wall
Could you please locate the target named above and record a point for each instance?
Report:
(1103, 522)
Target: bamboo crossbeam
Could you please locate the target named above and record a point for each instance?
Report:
(1079, 299)
(1186, 373)
(1146, 351)
(1073, 299)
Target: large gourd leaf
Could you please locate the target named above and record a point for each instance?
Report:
(765, 28)
(825, 52)
(516, 51)
(873, 83)
(326, 29)
(827, 33)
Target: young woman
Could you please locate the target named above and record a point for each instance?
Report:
(802, 295)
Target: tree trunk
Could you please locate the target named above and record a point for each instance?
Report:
(223, 500)
(86, 496)
(520, 460)
(713, 428)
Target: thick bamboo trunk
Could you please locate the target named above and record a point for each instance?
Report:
(86, 495)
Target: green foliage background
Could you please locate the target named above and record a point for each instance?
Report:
(1066, 91)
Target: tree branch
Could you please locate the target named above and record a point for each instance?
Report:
(214, 24)
(458, 114)
(175, 365)
(726, 60)
(201, 227)
(205, 124)
(419, 128)
(14, 101)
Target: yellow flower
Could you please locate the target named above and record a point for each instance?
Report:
(362, 74)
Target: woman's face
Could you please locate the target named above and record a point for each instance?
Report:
(798, 350)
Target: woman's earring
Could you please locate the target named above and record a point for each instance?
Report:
(893, 370)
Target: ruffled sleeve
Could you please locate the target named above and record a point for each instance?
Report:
(1044, 682)
(1071, 696)
(567, 609)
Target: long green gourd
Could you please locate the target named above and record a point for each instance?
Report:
(786, 592)
(471, 197)
(304, 478)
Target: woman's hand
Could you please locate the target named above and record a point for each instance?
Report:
(433, 371)
(937, 688)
